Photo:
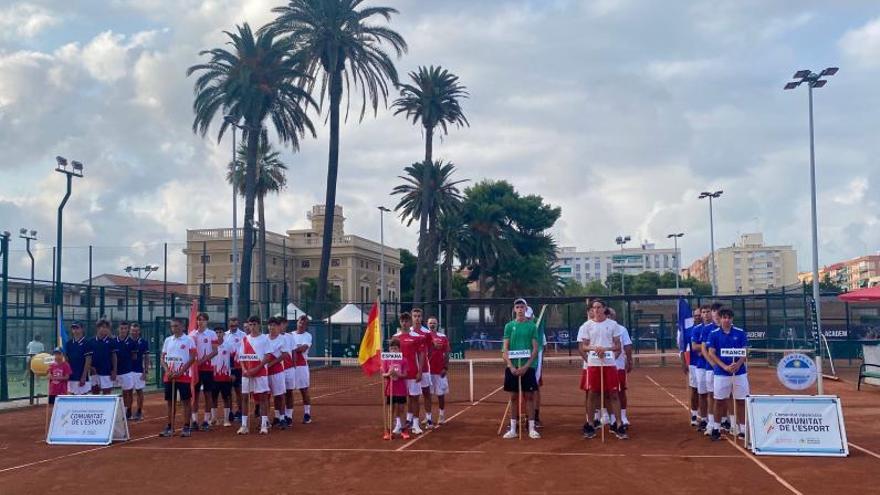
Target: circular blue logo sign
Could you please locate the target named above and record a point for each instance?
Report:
(797, 371)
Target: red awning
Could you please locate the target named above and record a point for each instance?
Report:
(870, 294)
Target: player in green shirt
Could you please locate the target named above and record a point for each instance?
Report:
(521, 334)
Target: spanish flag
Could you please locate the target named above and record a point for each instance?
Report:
(370, 353)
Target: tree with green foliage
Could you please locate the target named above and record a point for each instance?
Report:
(270, 179)
(432, 100)
(407, 273)
(340, 46)
(257, 80)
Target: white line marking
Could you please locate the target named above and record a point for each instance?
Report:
(740, 449)
(874, 454)
(414, 440)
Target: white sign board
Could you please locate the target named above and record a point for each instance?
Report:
(390, 356)
(520, 354)
(593, 359)
(87, 420)
(796, 425)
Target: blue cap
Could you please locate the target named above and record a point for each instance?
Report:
(58, 350)
(76, 324)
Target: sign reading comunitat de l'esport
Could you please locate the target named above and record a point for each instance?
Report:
(796, 425)
(87, 420)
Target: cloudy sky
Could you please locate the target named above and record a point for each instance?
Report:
(619, 111)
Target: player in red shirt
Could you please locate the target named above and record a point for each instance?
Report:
(425, 333)
(59, 372)
(412, 347)
(394, 371)
(178, 354)
(254, 354)
(206, 348)
(438, 359)
(223, 378)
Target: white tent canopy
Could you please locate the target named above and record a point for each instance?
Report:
(293, 312)
(348, 315)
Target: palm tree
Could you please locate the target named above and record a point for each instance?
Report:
(341, 48)
(434, 181)
(432, 100)
(255, 80)
(270, 179)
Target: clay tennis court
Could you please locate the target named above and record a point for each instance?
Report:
(343, 452)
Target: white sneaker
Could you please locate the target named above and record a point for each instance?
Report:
(442, 419)
(534, 434)
(264, 430)
(734, 430)
(243, 430)
(396, 430)
(415, 429)
(226, 423)
(510, 434)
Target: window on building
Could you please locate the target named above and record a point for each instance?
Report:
(305, 264)
(665, 261)
(577, 267)
(647, 262)
(274, 260)
(151, 305)
(337, 290)
(206, 259)
(335, 262)
(229, 289)
(120, 303)
(230, 257)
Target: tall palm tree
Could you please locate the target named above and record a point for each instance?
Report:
(254, 81)
(270, 179)
(434, 99)
(342, 48)
(435, 181)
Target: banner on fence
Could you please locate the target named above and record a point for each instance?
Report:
(796, 425)
(87, 420)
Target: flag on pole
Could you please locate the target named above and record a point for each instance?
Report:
(370, 353)
(685, 322)
(62, 333)
(192, 327)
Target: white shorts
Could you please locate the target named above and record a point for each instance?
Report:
(413, 387)
(101, 381)
(692, 377)
(426, 380)
(125, 381)
(254, 385)
(710, 380)
(73, 387)
(302, 377)
(439, 385)
(738, 384)
(277, 384)
(139, 382)
(290, 378)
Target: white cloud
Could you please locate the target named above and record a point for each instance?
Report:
(862, 45)
(25, 20)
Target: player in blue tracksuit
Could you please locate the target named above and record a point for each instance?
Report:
(685, 348)
(710, 326)
(697, 366)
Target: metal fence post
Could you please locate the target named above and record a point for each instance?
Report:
(4, 308)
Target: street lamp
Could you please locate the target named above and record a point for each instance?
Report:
(711, 196)
(677, 257)
(621, 240)
(71, 170)
(147, 270)
(382, 211)
(233, 121)
(813, 80)
(28, 236)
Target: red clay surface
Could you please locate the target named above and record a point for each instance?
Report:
(343, 452)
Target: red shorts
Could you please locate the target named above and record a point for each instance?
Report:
(590, 376)
(621, 380)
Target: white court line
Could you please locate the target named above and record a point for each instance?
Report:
(740, 449)
(414, 440)
(874, 454)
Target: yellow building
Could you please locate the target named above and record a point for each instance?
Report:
(294, 257)
(749, 267)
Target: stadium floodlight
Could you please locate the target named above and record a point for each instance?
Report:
(711, 196)
(77, 168)
(792, 85)
(814, 80)
(801, 74)
(61, 161)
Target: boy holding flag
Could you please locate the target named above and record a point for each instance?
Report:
(519, 375)
(178, 354)
(254, 355)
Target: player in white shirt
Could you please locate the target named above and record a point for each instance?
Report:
(438, 357)
(289, 373)
(254, 354)
(302, 342)
(206, 348)
(596, 337)
(178, 354)
(624, 363)
(222, 364)
(234, 335)
(279, 348)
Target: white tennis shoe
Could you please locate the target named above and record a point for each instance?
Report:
(510, 434)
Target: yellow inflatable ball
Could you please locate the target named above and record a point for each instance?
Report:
(40, 363)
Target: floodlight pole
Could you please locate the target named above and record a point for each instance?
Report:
(29, 236)
(814, 80)
(712, 268)
(4, 306)
(677, 266)
(76, 171)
